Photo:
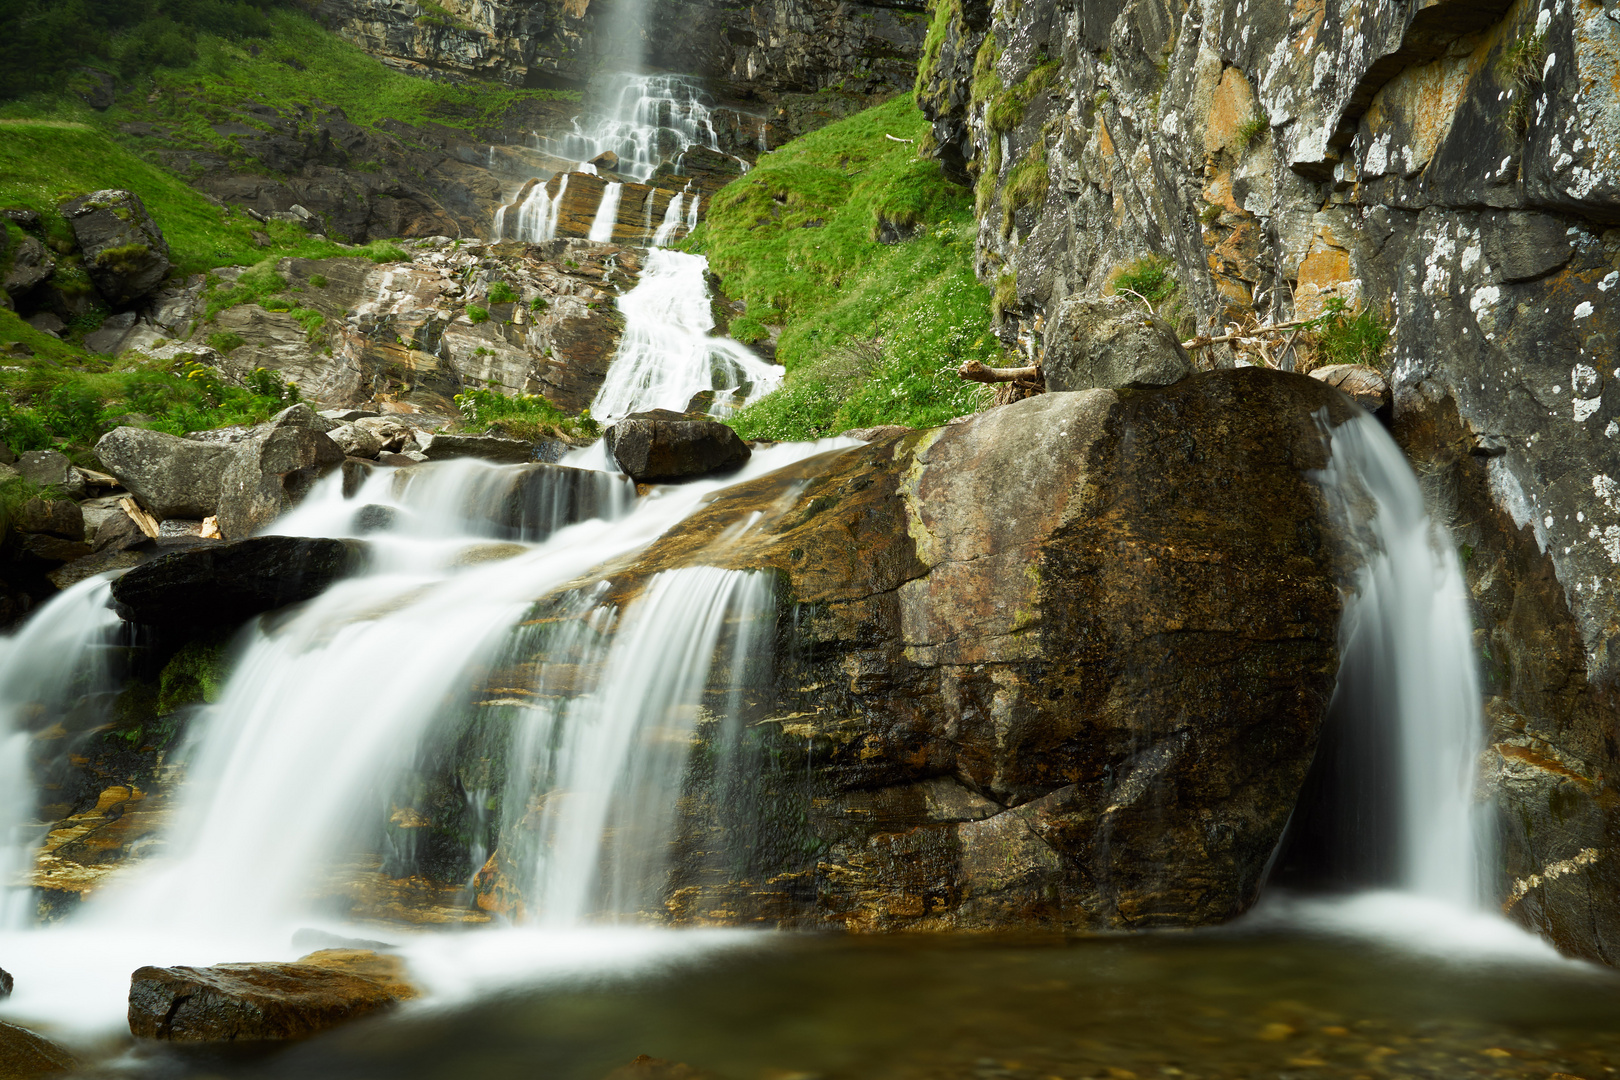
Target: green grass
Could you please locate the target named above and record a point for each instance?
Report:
(44, 163)
(1149, 278)
(1343, 336)
(1520, 66)
(1252, 129)
(526, 416)
(871, 333)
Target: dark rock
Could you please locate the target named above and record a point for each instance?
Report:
(442, 447)
(111, 334)
(118, 532)
(96, 88)
(169, 476)
(52, 549)
(373, 518)
(607, 159)
(24, 1055)
(1366, 386)
(30, 265)
(356, 471)
(226, 583)
(22, 217)
(659, 446)
(274, 469)
(262, 1002)
(6, 984)
(54, 517)
(47, 322)
(98, 562)
(123, 248)
(51, 469)
(1110, 342)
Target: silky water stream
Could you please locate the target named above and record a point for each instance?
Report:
(1400, 972)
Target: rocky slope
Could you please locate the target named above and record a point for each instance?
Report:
(1452, 168)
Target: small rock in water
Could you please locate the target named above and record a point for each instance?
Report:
(6, 983)
(264, 1002)
(373, 518)
(658, 446)
(441, 447)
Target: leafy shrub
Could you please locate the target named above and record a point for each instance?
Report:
(1343, 336)
(476, 314)
(1149, 278)
(501, 293)
(538, 304)
(225, 341)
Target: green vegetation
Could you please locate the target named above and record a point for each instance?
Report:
(44, 163)
(64, 400)
(1148, 278)
(44, 42)
(871, 333)
(1253, 128)
(194, 676)
(502, 293)
(1343, 336)
(527, 416)
(1026, 186)
(1520, 65)
(476, 314)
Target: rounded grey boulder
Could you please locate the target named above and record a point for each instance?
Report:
(1111, 343)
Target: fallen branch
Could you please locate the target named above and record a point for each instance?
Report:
(897, 138)
(143, 521)
(973, 371)
(1242, 335)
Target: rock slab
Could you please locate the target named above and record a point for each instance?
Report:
(263, 1002)
(24, 1055)
(1111, 343)
(273, 469)
(225, 584)
(661, 446)
(171, 477)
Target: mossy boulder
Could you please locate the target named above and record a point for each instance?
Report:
(123, 248)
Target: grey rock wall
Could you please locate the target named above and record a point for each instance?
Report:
(1453, 167)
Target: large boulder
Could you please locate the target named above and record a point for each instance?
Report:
(263, 1002)
(170, 476)
(124, 250)
(1064, 664)
(224, 584)
(659, 446)
(52, 517)
(356, 441)
(1110, 343)
(273, 469)
(24, 1055)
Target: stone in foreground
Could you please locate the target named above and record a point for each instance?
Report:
(263, 1002)
(1111, 343)
(660, 446)
(1366, 386)
(228, 583)
(273, 469)
(24, 1055)
(441, 447)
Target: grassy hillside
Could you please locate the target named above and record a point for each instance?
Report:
(871, 332)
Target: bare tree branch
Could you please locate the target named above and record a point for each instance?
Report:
(973, 371)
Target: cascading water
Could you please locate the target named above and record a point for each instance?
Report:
(667, 355)
(57, 665)
(645, 120)
(607, 212)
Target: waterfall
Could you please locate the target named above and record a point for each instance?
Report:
(646, 120)
(607, 213)
(666, 355)
(671, 222)
(537, 216)
(612, 757)
(50, 670)
(1389, 819)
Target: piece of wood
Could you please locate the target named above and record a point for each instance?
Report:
(144, 521)
(973, 371)
(1242, 335)
(897, 138)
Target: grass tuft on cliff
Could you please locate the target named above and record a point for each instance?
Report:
(871, 332)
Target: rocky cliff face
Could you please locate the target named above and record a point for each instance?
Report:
(1452, 168)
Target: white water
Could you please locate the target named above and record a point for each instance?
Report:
(607, 212)
(1409, 631)
(667, 354)
(537, 216)
(646, 120)
(671, 222)
(57, 661)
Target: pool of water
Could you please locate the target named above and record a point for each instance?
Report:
(1260, 1000)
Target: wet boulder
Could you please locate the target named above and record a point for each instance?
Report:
(442, 447)
(264, 1002)
(24, 1055)
(1111, 343)
(661, 446)
(170, 476)
(273, 469)
(124, 250)
(225, 584)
